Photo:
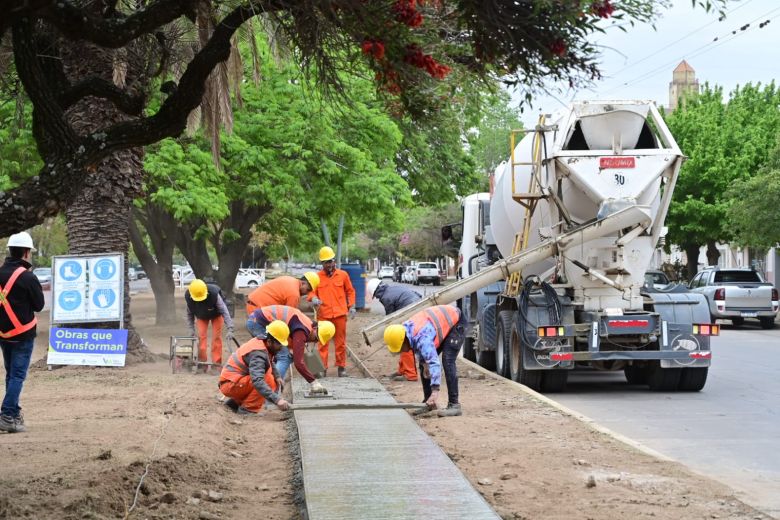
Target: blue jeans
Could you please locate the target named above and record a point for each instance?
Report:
(449, 350)
(255, 329)
(283, 361)
(16, 358)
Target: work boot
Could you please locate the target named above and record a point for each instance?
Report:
(7, 424)
(421, 411)
(231, 404)
(394, 375)
(343, 372)
(243, 411)
(399, 377)
(452, 410)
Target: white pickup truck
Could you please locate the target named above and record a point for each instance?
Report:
(736, 294)
(426, 272)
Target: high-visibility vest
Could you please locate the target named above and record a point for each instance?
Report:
(235, 368)
(19, 327)
(286, 314)
(443, 318)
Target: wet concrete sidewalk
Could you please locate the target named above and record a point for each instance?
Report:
(376, 463)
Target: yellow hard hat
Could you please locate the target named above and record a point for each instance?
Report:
(198, 290)
(325, 331)
(327, 253)
(394, 337)
(313, 279)
(278, 330)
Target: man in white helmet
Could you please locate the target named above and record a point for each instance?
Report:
(21, 296)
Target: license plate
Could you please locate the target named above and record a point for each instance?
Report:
(748, 314)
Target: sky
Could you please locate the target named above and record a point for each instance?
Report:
(638, 64)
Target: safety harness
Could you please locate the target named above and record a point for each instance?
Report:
(18, 327)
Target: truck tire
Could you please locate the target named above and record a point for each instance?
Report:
(554, 381)
(468, 348)
(767, 323)
(693, 379)
(737, 322)
(635, 375)
(503, 342)
(663, 379)
(530, 378)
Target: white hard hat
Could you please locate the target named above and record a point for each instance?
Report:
(22, 239)
(373, 283)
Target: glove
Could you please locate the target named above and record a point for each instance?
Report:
(317, 388)
(316, 301)
(352, 312)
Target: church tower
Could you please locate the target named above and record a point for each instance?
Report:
(683, 82)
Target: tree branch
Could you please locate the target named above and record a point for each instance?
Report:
(98, 87)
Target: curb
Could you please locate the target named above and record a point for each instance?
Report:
(592, 424)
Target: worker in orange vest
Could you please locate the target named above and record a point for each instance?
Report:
(334, 300)
(285, 290)
(249, 377)
(432, 331)
(21, 296)
(302, 329)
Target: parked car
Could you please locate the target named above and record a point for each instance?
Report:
(657, 280)
(140, 274)
(250, 278)
(44, 276)
(427, 272)
(408, 275)
(132, 274)
(736, 294)
(385, 272)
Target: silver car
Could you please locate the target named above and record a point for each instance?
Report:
(736, 294)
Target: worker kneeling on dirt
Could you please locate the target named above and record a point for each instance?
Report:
(249, 377)
(428, 333)
(392, 298)
(302, 329)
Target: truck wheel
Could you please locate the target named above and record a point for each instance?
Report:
(530, 378)
(554, 381)
(663, 379)
(693, 379)
(503, 342)
(468, 348)
(486, 359)
(737, 322)
(767, 323)
(635, 375)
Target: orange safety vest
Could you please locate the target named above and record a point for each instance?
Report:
(443, 317)
(235, 368)
(19, 328)
(286, 314)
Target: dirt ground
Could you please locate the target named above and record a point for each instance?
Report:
(141, 442)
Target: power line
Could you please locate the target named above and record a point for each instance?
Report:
(716, 42)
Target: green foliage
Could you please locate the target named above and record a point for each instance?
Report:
(421, 239)
(490, 138)
(19, 159)
(753, 210)
(725, 142)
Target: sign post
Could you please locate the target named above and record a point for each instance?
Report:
(87, 288)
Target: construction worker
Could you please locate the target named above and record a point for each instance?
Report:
(302, 329)
(21, 296)
(334, 299)
(249, 377)
(285, 290)
(205, 306)
(428, 333)
(392, 298)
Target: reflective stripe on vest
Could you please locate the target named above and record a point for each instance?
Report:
(443, 318)
(235, 368)
(18, 327)
(286, 314)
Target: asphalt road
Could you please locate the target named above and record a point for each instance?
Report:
(728, 431)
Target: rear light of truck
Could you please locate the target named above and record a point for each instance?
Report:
(561, 356)
(550, 332)
(720, 294)
(706, 329)
(700, 354)
(774, 295)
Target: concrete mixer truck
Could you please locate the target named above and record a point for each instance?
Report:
(553, 262)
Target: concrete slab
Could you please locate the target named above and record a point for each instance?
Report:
(378, 464)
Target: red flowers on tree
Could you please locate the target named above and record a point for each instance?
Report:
(416, 57)
(602, 9)
(558, 47)
(406, 12)
(373, 47)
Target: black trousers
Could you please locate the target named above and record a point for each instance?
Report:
(448, 349)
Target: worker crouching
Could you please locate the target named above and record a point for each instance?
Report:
(430, 332)
(249, 377)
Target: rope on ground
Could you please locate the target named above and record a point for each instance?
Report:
(151, 458)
